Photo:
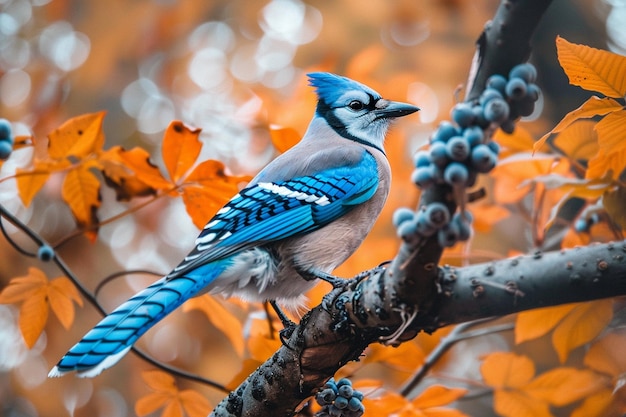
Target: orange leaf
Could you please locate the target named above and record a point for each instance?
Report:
(611, 136)
(519, 141)
(220, 317)
(247, 367)
(181, 148)
(138, 160)
(438, 395)
(405, 357)
(593, 69)
(578, 141)
(151, 402)
(507, 370)
(29, 182)
(517, 404)
(81, 191)
(594, 106)
(260, 344)
(487, 215)
(532, 324)
(603, 163)
(563, 386)
(614, 203)
(33, 316)
(607, 355)
(594, 405)
(194, 404)
(284, 138)
(77, 137)
(120, 177)
(160, 381)
(581, 326)
(22, 288)
(61, 293)
(201, 204)
(173, 409)
(384, 405)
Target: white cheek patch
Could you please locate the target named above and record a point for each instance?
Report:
(289, 193)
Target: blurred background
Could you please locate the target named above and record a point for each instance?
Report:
(233, 68)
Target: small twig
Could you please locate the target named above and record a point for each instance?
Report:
(458, 333)
(116, 275)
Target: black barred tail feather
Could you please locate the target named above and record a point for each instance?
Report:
(112, 338)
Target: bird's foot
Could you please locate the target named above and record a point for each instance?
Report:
(312, 274)
(286, 321)
(370, 272)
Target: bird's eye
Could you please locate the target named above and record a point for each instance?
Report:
(356, 105)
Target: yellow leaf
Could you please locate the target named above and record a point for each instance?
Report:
(594, 106)
(33, 316)
(77, 137)
(507, 370)
(220, 317)
(532, 324)
(284, 138)
(81, 191)
(563, 386)
(611, 136)
(594, 405)
(578, 141)
(438, 395)
(194, 404)
(593, 69)
(181, 148)
(607, 355)
(517, 404)
(581, 326)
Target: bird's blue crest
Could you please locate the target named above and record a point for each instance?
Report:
(330, 87)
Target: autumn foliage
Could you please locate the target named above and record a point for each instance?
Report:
(565, 189)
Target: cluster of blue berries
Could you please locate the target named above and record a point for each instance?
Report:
(431, 219)
(461, 150)
(339, 399)
(6, 139)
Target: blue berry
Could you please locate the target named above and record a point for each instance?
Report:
(421, 159)
(355, 404)
(489, 94)
(479, 116)
(448, 235)
(525, 106)
(463, 225)
(581, 225)
(436, 214)
(508, 126)
(494, 146)
(407, 230)
(458, 148)
(496, 110)
(5, 149)
(358, 395)
(497, 82)
(424, 177)
(473, 135)
(439, 154)
(525, 71)
(325, 397)
(483, 158)
(341, 402)
(402, 215)
(462, 114)
(346, 391)
(5, 130)
(456, 174)
(444, 131)
(423, 226)
(533, 91)
(45, 253)
(516, 88)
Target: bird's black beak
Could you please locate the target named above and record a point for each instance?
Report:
(392, 109)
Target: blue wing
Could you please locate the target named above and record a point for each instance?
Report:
(271, 211)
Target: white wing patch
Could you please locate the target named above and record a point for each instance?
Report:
(289, 193)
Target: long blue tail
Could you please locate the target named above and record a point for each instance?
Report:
(113, 337)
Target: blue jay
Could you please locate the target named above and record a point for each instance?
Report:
(302, 216)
